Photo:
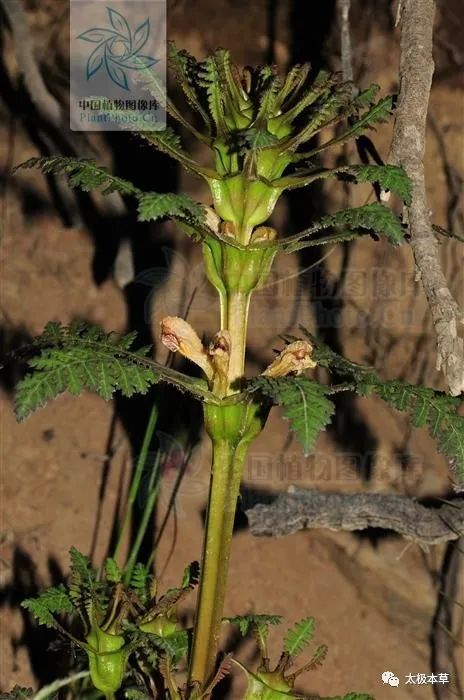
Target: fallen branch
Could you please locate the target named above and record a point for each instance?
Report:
(309, 509)
(407, 149)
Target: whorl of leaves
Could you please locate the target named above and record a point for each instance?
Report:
(304, 404)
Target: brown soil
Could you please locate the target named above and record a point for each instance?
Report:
(374, 604)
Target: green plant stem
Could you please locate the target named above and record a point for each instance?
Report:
(52, 689)
(229, 454)
(235, 320)
(135, 485)
(152, 494)
(224, 490)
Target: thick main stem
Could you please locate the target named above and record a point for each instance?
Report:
(229, 453)
(224, 490)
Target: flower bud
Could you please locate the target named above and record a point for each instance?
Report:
(263, 234)
(219, 352)
(227, 229)
(178, 336)
(294, 359)
(213, 221)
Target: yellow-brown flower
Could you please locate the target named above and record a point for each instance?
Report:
(179, 336)
(294, 359)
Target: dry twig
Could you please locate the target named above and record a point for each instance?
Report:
(408, 145)
(304, 509)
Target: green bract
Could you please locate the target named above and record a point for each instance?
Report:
(267, 686)
(107, 660)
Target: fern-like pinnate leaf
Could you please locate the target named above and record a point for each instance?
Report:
(87, 175)
(299, 636)
(49, 603)
(317, 658)
(140, 581)
(389, 177)
(186, 68)
(210, 80)
(324, 112)
(84, 587)
(373, 217)
(247, 622)
(112, 571)
(304, 404)
(154, 206)
(83, 173)
(427, 408)
(174, 645)
(83, 357)
(377, 114)
(434, 410)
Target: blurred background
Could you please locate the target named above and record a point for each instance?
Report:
(67, 255)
